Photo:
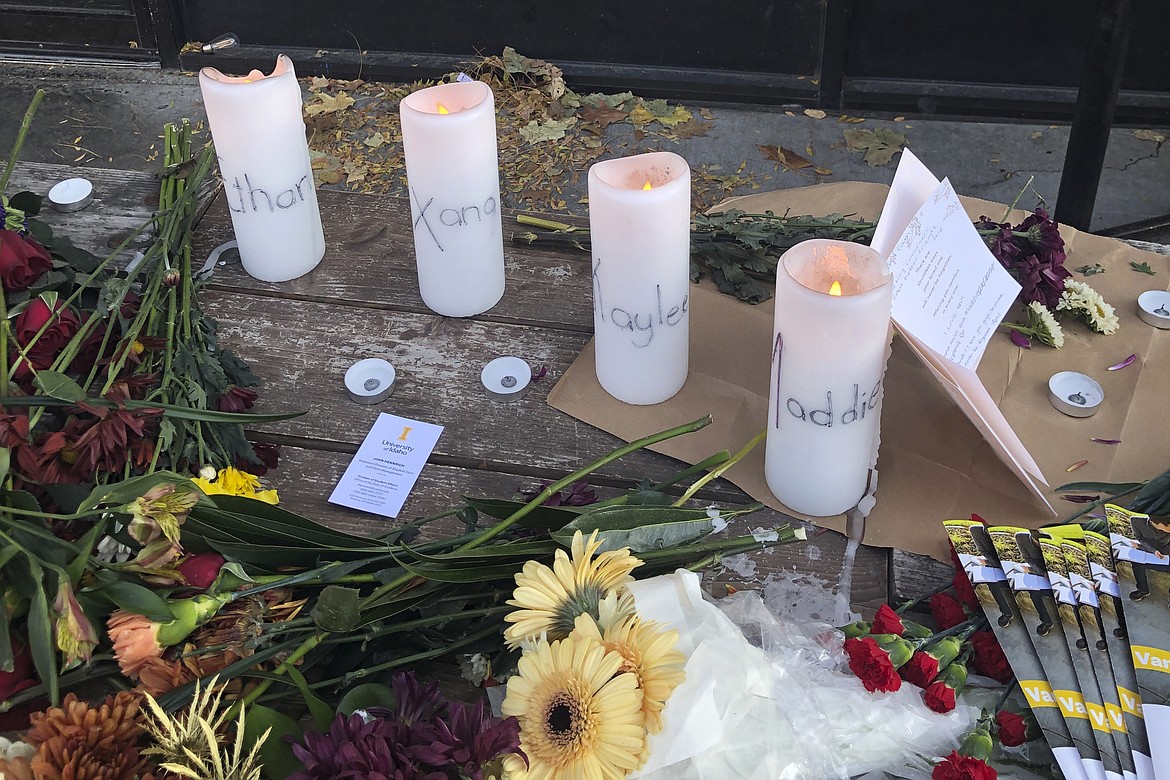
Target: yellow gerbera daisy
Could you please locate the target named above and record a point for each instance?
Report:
(648, 652)
(234, 482)
(549, 600)
(579, 718)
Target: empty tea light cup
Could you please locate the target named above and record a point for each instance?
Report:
(370, 381)
(1154, 308)
(71, 194)
(506, 378)
(1075, 394)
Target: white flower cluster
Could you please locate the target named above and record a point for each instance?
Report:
(1044, 325)
(1085, 303)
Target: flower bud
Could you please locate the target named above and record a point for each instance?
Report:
(189, 615)
(899, 650)
(978, 744)
(854, 630)
(171, 278)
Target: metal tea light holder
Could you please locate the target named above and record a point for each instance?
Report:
(370, 381)
(1075, 394)
(1154, 308)
(506, 378)
(71, 194)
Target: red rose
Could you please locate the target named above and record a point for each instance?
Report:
(63, 325)
(872, 665)
(920, 670)
(939, 696)
(22, 675)
(956, 766)
(887, 621)
(22, 261)
(987, 658)
(946, 610)
(1011, 728)
(201, 569)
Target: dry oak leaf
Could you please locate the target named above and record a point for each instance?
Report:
(879, 145)
(328, 104)
(690, 129)
(602, 115)
(1149, 135)
(789, 159)
(375, 140)
(535, 132)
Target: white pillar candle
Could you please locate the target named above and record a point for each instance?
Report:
(639, 228)
(259, 137)
(453, 177)
(830, 336)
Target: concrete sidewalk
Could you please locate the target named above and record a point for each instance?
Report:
(112, 117)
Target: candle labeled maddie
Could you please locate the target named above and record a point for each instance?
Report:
(264, 160)
(830, 336)
(453, 177)
(639, 227)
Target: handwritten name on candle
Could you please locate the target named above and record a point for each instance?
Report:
(266, 202)
(811, 410)
(639, 323)
(432, 215)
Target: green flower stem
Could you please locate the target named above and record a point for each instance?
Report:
(1101, 502)
(300, 652)
(25, 124)
(703, 465)
(99, 667)
(410, 625)
(925, 597)
(358, 674)
(722, 546)
(718, 472)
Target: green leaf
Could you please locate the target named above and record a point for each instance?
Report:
(40, 635)
(56, 385)
(460, 574)
(541, 517)
(276, 754)
(135, 598)
(321, 712)
(478, 556)
(337, 609)
(1143, 268)
(170, 410)
(1153, 497)
(1108, 488)
(640, 528)
(364, 696)
(5, 460)
(7, 662)
(269, 517)
(28, 202)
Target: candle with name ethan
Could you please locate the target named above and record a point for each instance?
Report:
(263, 156)
(639, 228)
(453, 177)
(830, 338)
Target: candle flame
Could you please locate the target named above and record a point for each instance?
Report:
(442, 108)
(835, 288)
(647, 185)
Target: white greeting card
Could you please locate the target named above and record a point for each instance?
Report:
(386, 466)
(950, 294)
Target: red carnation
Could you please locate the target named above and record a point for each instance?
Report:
(201, 569)
(959, 767)
(1011, 728)
(62, 325)
(920, 669)
(939, 696)
(887, 621)
(872, 665)
(987, 657)
(22, 261)
(946, 610)
(962, 583)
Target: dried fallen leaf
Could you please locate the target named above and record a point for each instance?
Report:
(318, 83)
(640, 116)
(328, 104)
(1149, 135)
(535, 132)
(375, 140)
(690, 129)
(899, 119)
(706, 114)
(789, 159)
(326, 168)
(602, 115)
(880, 145)
(815, 113)
(850, 120)
(1037, 134)
(1077, 465)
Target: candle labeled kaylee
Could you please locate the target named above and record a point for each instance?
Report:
(639, 228)
(831, 332)
(264, 160)
(453, 176)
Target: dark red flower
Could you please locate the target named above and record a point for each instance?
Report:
(956, 766)
(22, 261)
(201, 569)
(887, 621)
(1033, 253)
(939, 696)
(1011, 728)
(23, 675)
(267, 456)
(577, 494)
(62, 325)
(920, 670)
(237, 399)
(987, 658)
(872, 665)
(946, 610)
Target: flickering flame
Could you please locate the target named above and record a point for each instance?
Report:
(835, 288)
(442, 108)
(647, 185)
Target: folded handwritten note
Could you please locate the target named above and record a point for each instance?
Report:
(950, 294)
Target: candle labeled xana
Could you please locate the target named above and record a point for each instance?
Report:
(830, 336)
(263, 157)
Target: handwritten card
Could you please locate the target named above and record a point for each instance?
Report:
(950, 294)
(386, 466)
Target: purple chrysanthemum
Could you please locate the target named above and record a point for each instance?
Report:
(355, 748)
(1033, 253)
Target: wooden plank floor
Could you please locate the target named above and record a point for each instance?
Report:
(362, 301)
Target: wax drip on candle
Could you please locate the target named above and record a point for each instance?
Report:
(647, 185)
(835, 288)
(442, 108)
